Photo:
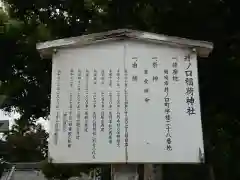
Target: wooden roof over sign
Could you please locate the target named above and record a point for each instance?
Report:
(203, 48)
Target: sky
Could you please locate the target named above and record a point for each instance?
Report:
(12, 116)
(1, 4)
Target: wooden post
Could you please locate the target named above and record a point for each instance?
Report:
(137, 172)
(153, 172)
(124, 172)
(211, 172)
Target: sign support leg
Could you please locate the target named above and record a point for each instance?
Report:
(134, 172)
(124, 172)
(153, 172)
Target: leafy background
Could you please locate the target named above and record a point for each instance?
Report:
(25, 76)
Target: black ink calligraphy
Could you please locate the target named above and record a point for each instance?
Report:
(126, 106)
(175, 76)
(110, 108)
(190, 101)
(167, 112)
(135, 62)
(70, 118)
(118, 135)
(57, 117)
(94, 126)
(78, 120)
(155, 62)
(86, 116)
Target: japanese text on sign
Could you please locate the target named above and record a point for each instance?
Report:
(102, 80)
(126, 106)
(189, 87)
(86, 101)
(146, 88)
(78, 120)
(70, 118)
(94, 117)
(118, 108)
(175, 76)
(167, 111)
(57, 120)
(102, 111)
(110, 108)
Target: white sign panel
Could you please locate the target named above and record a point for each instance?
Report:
(125, 102)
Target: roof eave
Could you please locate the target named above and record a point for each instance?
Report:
(203, 48)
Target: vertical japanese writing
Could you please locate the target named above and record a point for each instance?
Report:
(175, 76)
(155, 62)
(110, 78)
(102, 111)
(134, 78)
(135, 66)
(167, 111)
(135, 62)
(102, 99)
(189, 87)
(64, 121)
(155, 78)
(146, 89)
(78, 120)
(94, 116)
(95, 77)
(147, 80)
(110, 108)
(126, 106)
(118, 108)
(102, 77)
(70, 109)
(86, 101)
(94, 139)
(57, 121)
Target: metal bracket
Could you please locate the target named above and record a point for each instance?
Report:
(194, 50)
(55, 51)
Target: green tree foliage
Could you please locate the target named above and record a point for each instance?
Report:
(25, 75)
(64, 171)
(26, 143)
(2, 167)
(3, 152)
